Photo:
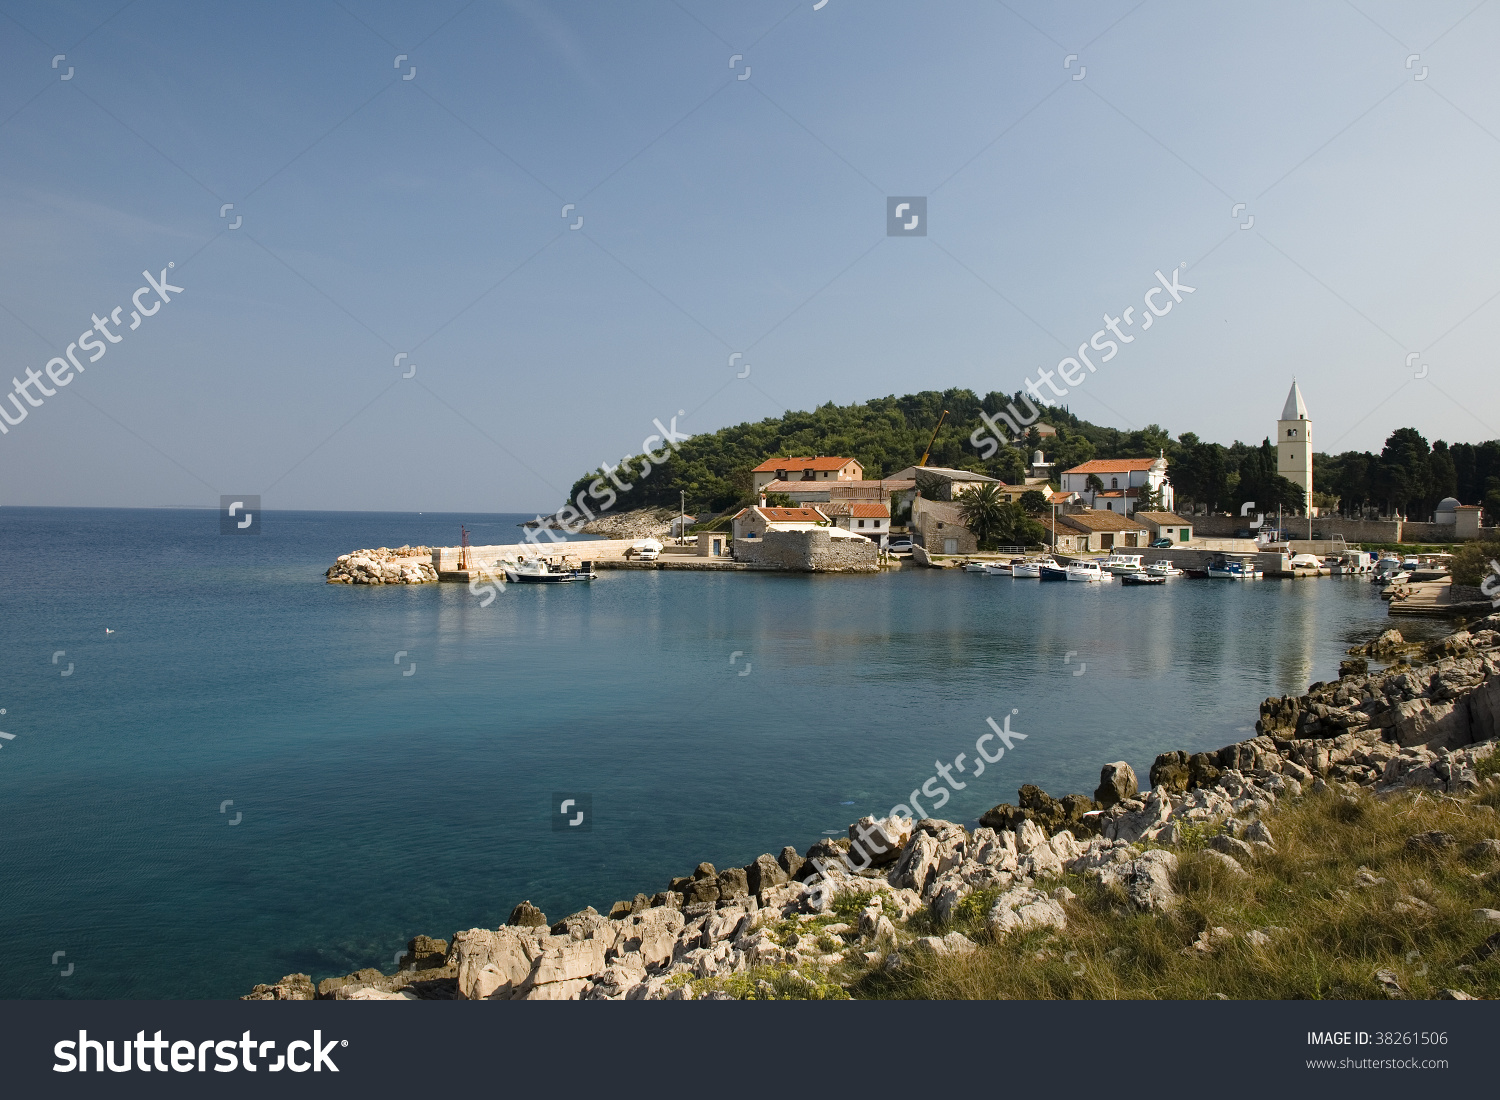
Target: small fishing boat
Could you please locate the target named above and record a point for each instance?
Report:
(539, 571)
(1386, 568)
(1003, 568)
(1120, 564)
(974, 567)
(1088, 572)
(1051, 571)
(1233, 569)
(1163, 569)
(1031, 568)
(1144, 577)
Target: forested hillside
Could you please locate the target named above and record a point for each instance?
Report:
(889, 433)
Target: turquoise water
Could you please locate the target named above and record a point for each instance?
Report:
(374, 806)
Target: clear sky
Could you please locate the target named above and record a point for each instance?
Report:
(379, 215)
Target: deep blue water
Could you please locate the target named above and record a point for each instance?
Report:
(375, 806)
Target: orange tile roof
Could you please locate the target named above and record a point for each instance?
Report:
(792, 515)
(860, 510)
(1112, 465)
(771, 465)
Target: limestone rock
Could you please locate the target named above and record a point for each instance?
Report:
(1434, 841)
(527, 915)
(494, 964)
(293, 987)
(763, 874)
(1117, 782)
(1228, 863)
(1021, 908)
(1232, 847)
(880, 839)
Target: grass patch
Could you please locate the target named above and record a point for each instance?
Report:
(1328, 932)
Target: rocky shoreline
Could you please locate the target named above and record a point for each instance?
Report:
(1425, 723)
(404, 565)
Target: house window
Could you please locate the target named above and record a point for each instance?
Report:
(861, 523)
(1114, 483)
(1109, 505)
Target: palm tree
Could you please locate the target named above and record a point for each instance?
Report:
(984, 511)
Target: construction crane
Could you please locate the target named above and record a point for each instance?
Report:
(933, 440)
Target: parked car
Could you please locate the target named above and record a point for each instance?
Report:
(901, 544)
(1162, 544)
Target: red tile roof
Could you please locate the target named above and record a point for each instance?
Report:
(860, 510)
(771, 465)
(1112, 465)
(792, 515)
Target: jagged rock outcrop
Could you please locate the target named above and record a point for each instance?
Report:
(404, 565)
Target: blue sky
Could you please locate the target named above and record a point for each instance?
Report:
(382, 215)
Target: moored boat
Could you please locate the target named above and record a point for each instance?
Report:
(1051, 571)
(1163, 569)
(1143, 577)
(1119, 564)
(1031, 568)
(539, 571)
(1086, 572)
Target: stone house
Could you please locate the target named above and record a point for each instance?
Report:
(936, 526)
(1090, 531)
(753, 523)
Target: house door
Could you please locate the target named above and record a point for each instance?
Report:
(1107, 542)
(950, 546)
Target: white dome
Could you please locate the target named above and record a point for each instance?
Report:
(1447, 504)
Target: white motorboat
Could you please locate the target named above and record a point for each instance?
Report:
(1031, 569)
(1386, 568)
(1086, 571)
(1002, 568)
(975, 567)
(540, 571)
(1163, 568)
(1123, 563)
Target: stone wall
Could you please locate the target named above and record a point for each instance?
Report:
(808, 552)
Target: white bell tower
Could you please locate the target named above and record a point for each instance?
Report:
(1294, 453)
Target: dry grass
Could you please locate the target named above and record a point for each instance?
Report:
(1334, 933)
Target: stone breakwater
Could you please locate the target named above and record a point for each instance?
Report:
(404, 565)
(1424, 723)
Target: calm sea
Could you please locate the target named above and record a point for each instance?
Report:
(242, 780)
